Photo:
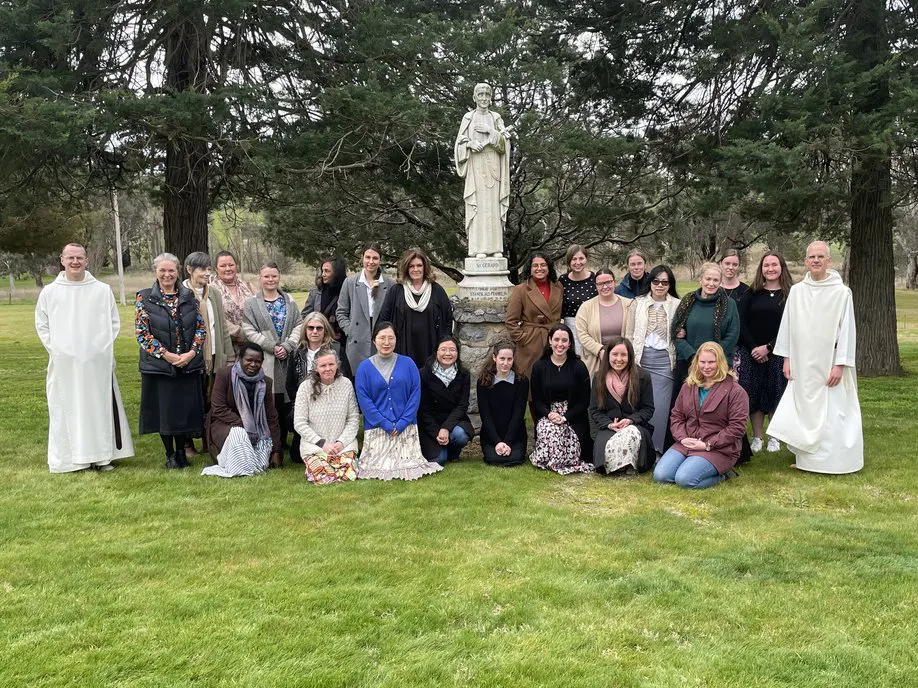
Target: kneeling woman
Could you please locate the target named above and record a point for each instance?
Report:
(242, 429)
(560, 399)
(443, 414)
(389, 392)
(502, 394)
(708, 423)
(621, 409)
(326, 418)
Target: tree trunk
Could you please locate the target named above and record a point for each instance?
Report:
(872, 268)
(911, 271)
(186, 201)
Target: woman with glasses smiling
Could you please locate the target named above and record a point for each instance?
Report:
(600, 319)
(317, 334)
(648, 328)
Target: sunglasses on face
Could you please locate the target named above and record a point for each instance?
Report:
(660, 283)
(315, 327)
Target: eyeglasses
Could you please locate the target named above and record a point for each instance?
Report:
(605, 285)
(660, 283)
(314, 328)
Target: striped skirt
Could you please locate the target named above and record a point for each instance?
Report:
(240, 457)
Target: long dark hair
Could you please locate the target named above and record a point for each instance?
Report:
(633, 370)
(571, 353)
(785, 280)
(489, 366)
(664, 269)
(339, 274)
(372, 246)
(526, 273)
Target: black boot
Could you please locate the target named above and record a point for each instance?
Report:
(171, 462)
(180, 458)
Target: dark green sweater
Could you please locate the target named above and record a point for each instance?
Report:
(699, 328)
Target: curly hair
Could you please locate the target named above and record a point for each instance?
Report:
(526, 272)
(314, 374)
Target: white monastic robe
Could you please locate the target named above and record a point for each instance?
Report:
(77, 323)
(820, 424)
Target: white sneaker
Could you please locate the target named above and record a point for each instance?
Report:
(773, 445)
(756, 444)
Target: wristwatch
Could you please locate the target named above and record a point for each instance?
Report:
(707, 446)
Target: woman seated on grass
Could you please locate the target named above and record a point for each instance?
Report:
(708, 423)
(443, 414)
(389, 392)
(326, 418)
(242, 429)
(621, 408)
(502, 394)
(560, 399)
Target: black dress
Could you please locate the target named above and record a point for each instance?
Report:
(570, 383)
(760, 317)
(442, 407)
(574, 293)
(417, 333)
(502, 408)
(640, 417)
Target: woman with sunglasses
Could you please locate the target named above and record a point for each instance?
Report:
(648, 327)
(600, 319)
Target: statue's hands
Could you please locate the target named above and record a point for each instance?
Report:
(484, 129)
(477, 146)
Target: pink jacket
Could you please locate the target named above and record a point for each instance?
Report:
(720, 421)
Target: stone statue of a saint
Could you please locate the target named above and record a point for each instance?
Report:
(482, 158)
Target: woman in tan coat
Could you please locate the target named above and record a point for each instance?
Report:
(534, 306)
(600, 319)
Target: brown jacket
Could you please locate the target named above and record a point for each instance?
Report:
(720, 421)
(224, 414)
(529, 319)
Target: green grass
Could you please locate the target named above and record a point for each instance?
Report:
(476, 576)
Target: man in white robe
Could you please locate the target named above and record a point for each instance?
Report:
(77, 322)
(819, 416)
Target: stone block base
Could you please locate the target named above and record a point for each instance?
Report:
(479, 324)
(485, 280)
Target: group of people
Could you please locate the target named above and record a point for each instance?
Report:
(601, 366)
(623, 373)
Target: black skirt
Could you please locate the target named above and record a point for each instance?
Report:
(172, 405)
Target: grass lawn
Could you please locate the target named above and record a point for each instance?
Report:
(476, 576)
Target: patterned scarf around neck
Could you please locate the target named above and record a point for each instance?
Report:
(446, 375)
(418, 305)
(254, 421)
(720, 309)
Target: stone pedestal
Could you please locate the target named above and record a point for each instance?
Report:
(486, 281)
(478, 325)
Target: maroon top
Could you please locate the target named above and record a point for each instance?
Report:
(719, 421)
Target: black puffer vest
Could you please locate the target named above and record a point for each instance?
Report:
(163, 328)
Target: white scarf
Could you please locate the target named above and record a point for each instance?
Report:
(424, 293)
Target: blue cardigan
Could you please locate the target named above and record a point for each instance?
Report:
(392, 405)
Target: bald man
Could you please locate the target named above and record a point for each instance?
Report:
(819, 416)
(77, 322)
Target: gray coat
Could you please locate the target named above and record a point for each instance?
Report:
(259, 329)
(354, 317)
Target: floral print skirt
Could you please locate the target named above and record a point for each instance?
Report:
(557, 446)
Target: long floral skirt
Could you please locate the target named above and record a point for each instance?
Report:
(394, 458)
(322, 469)
(557, 446)
(623, 449)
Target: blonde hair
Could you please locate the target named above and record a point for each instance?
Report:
(328, 337)
(708, 267)
(695, 378)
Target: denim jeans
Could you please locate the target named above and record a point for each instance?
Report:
(458, 438)
(686, 471)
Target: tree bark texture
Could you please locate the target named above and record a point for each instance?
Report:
(872, 267)
(186, 202)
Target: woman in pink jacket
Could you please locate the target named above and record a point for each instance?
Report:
(708, 423)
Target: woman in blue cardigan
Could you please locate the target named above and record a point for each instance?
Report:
(389, 391)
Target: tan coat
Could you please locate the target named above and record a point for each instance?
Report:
(529, 318)
(589, 332)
